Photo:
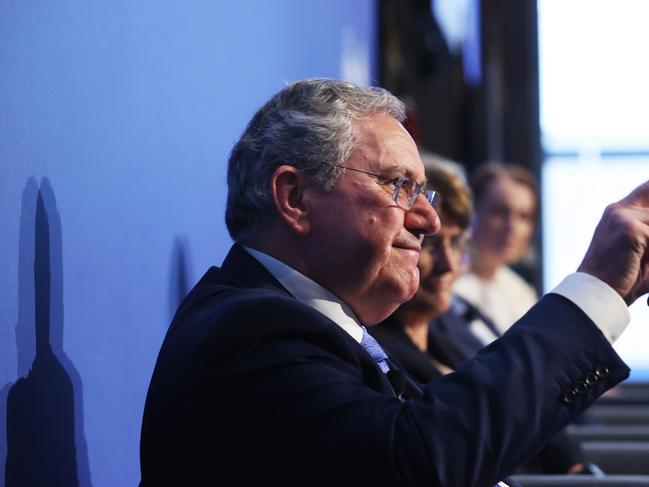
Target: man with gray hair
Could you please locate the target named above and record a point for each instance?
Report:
(267, 373)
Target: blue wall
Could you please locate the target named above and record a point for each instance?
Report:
(116, 119)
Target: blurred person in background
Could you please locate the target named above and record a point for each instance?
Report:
(506, 201)
(435, 331)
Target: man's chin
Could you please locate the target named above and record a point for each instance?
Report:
(390, 297)
(413, 286)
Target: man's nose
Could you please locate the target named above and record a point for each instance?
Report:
(422, 219)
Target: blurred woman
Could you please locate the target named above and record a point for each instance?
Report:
(505, 216)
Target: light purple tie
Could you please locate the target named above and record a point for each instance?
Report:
(371, 346)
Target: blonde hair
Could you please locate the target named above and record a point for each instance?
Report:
(449, 180)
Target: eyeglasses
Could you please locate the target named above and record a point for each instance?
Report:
(405, 191)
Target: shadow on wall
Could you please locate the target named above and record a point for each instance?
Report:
(178, 278)
(45, 444)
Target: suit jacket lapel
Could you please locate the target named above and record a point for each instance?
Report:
(250, 273)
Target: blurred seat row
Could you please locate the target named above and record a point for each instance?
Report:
(614, 438)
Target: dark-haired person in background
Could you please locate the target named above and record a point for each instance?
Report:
(506, 200)
(267, 374)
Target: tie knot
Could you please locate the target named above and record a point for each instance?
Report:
(371, 346)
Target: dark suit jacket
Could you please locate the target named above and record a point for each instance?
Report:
(253, 387)
(558, 454)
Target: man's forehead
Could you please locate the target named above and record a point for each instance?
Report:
(388, 148)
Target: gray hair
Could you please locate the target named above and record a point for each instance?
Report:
(308, 125)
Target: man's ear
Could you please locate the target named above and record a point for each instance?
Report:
(287, 187)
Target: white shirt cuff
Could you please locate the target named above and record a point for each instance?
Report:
(603, 305)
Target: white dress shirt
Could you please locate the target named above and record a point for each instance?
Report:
(311, 293)
(599, 301)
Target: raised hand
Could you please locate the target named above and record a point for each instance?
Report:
(619, 251)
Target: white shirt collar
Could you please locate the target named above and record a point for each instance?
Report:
(311, 293)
